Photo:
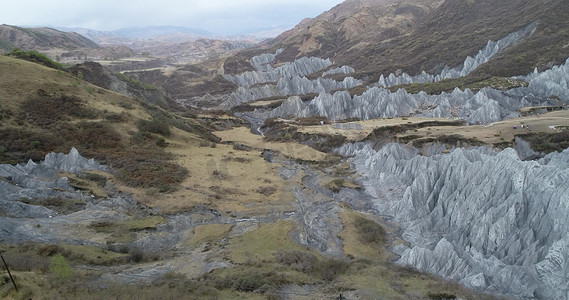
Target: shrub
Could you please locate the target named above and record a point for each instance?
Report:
(135, 255)
(331, 268)
(441, 296)
(51, 250)
(251, 280)
(154, 126)
(37, 57)
(267, 190)
(369, 231)
(60, 267)
(298, 260)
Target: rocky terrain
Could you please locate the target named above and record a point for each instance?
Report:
(486, 219)
(331, 162)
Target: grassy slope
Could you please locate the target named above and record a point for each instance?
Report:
(221, 178)
(460, 28)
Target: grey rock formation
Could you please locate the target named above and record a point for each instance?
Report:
(486, 219)
(300, 67)
(287, 86)
(524, 150)
(339, 70)
(552, 82)
(487, 105)
(40, 181)
(261, 62)
(469, 64)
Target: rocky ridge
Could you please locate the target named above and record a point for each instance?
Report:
(469, 64)
(486, 219)
(289, 78)
(487, 105)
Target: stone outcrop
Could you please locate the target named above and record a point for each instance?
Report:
(550, 83)
(286, 80)
(486, 219)
(339, 70)
(487, 105)
(469, 64)
(286, 87)
(262, 62)
(41, 180)
(300, 67)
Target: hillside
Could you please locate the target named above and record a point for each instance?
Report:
(173, 206)
(382, 37)
(41, 39)
(398, 149)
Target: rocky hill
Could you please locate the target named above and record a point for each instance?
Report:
(382, 37)
(41, 39)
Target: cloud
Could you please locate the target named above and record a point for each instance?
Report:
(223, 16)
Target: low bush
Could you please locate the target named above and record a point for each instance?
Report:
(45, 110)
(267, 190)
(251, 280)
(331, 268)
(370, 232)
(37, 57)
(157, 126)
(298, 260)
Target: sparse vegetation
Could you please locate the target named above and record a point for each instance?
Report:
(154, 126)
(370, 232)
(547, 143)
(60, 205)
(37, 57)
(135, 82)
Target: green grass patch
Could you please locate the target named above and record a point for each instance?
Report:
(36, 57)
(124, 231)
(544, 142)
(262, 243)
(208, 233)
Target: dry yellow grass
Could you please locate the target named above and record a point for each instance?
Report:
(352, 244)
(293, 150)
(207, 233)
(500, 131)
(261, 244)
(367, 127)
(489, 133)
(221, 177)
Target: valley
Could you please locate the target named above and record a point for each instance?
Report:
(331, 162)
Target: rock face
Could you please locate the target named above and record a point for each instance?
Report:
(40, 180)
(286, 80)
(553, 82)
(486, 219)
(469, 64)
(300, 67)
(487, 105)
(287, 86)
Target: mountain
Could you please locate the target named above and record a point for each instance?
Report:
(127, 36)
(41, 39)
(382, 37)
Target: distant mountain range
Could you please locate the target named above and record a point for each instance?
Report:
(168, 34)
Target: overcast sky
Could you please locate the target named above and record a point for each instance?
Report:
(217, 16)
